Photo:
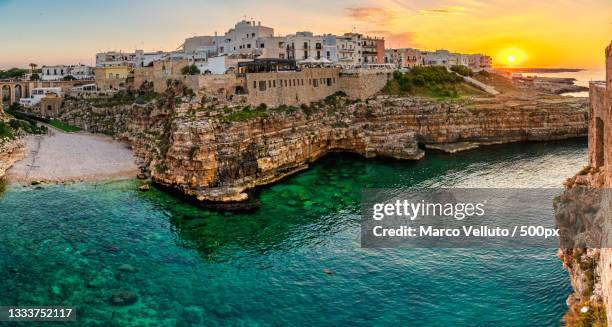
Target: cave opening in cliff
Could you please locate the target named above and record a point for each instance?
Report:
(599, 142)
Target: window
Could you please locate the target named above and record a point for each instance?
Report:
(253, 34)
(315, 82)
(249, 45)
(262, 85)
(329, 82)
(274, 83)
(269, 83)
(305, 54)
(263, 45)
(305, 45)
(254, 84)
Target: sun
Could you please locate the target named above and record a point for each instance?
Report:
(511, 56)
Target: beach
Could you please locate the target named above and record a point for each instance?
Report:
(70, 157)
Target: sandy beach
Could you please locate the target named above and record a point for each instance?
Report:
(71, 157)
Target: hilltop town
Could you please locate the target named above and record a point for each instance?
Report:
(223, 66)
(223, 115)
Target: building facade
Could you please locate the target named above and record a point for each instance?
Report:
(61, 72)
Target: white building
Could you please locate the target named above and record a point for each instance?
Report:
(272, 47)
(114, 59)
(349, 49)
(330, 47)
(38, 93)
(220, 64)
(59, 72)
(304, 45)
(243, 37)
(445, 58)
(144, 59)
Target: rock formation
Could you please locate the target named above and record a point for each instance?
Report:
(586, 208)
(217, 154)
(10, 152)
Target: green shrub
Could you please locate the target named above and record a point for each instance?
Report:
(462, 70)
(6, 131)
(433, 81)
(190, 70)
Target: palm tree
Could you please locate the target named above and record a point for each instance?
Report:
(32, 67)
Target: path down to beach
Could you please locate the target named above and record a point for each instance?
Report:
(71, 157)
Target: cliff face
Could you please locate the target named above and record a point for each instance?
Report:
(589, 261)
(214, 154)
(10, 152)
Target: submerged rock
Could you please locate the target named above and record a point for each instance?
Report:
(127, 268)
(123, 298)
(144, 188)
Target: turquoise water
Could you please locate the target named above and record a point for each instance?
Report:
(78, 244)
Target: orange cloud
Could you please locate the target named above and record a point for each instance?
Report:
(374, 15)
(443, 11)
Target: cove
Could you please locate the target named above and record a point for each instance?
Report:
(80, 244)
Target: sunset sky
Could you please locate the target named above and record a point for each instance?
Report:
(556, 33)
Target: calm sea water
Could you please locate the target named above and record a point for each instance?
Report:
(582, 77)
(77, 244)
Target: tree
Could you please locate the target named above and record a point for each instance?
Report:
(33, 67)
(34, 77)
(69, 78)
(190, 70)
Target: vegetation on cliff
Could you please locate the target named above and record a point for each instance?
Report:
(12, 127)
(28, 122)
(462, 70)
(436, 82)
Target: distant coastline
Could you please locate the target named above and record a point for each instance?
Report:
(540, 70)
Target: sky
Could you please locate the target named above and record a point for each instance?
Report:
(534, 33)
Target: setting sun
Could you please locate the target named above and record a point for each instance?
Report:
(511, 56)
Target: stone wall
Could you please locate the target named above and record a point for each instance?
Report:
(364, 84)
(288, 88)
(292, 88)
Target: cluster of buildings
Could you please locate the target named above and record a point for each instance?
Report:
(250, 63)
(66, 72)
(406, 58)
(248, 40)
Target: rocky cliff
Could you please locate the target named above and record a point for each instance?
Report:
(217, 154)
(10, 152)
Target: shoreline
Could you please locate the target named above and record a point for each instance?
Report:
(60, 158)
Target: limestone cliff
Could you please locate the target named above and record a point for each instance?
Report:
(589, 261)
(10, 152)
(217, 154)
